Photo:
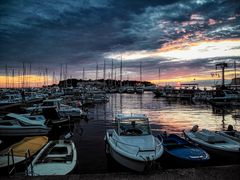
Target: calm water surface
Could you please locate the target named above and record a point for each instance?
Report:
(165, 115)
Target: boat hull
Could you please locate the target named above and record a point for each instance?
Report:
(56, 162)
(168, 160)
(180, 153)
(217, 153)
(127, 162)
(23, 131)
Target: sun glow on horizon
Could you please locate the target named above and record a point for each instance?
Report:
(27, 81)
(185, 51)
(192, 78)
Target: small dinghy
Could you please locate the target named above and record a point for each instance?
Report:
(214, 142)
(56, 158)
(132, 144)
(17, 152)
(181, 152)
(231, 133)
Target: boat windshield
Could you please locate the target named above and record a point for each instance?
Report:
(133, 127)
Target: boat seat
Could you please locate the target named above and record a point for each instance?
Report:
(209, 137)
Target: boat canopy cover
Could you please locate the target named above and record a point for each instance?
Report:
(34, 144)
(24, 119)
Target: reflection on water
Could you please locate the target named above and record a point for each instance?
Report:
(170, 115)
(174, 116)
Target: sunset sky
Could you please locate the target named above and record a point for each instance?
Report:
(185, 39)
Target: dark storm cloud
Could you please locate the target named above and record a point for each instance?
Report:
(50, 33)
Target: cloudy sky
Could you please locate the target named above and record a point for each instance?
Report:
(185, 39)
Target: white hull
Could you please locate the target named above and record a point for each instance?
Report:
(138, 160)
(127, 162)
(54, 163)
(225, 144)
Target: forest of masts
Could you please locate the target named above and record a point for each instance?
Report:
(27, 76)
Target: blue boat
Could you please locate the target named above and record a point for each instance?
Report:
(181, 152)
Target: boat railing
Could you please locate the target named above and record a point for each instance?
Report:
(28, 161)
(119, 142)
(137, 147)
(158, 145)
(11, 170)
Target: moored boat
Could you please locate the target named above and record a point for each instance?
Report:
(181, 152)
(58, 157)
(231, 133)
(63, 109)
(16, 153)
(234, 135)
(214, 143)
(18, 125)
(131, 143)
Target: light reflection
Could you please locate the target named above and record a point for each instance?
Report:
(175, 116)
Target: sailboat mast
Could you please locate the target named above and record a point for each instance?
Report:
(66, 75)
(104, 72)
(121, 72)
(159, 75)
(235, 73)
(13, 78)
(112, 73)
(83, 74)
(6, 75)
(30, 74)
(141, 71)
(97, 71)
(47, 76)
(53, 78)
(61, 73)
(23, 76)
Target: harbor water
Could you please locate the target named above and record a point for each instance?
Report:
(168, 115)
(164, 114)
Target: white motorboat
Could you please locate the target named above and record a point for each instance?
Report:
(62, 108)
(56, 158)
(224, 97)
(214, 142)
(50, 115)
(18, 125)
(131, 143)
(10, 99)
(16, 153)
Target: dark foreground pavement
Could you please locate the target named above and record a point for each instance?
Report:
(230, 172)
